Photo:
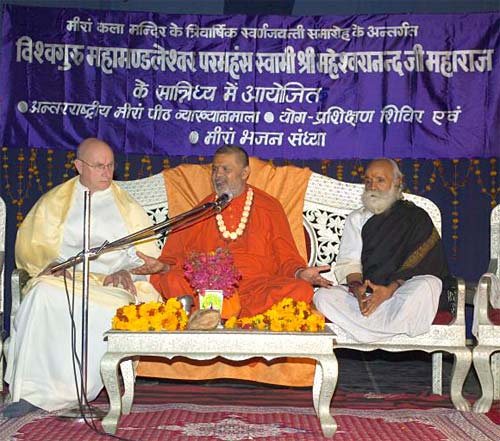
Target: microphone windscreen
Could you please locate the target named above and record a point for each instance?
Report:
(224, 198)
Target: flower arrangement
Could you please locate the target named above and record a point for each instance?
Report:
(212, 270)
(152, 316)
(288, 315)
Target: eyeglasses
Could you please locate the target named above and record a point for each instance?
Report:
(100, 167)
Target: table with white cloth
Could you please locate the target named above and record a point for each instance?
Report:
(231, 344)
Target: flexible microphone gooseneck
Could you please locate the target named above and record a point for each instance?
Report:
(182, 220)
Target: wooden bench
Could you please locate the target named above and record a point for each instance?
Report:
(486, 353)
(326, 205)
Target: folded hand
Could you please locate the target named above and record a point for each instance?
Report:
(369, 303)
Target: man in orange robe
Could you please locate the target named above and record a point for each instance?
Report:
(261, 242)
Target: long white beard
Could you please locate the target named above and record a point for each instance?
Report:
(378, 201)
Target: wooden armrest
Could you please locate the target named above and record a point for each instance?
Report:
(493, 266)
(18, 280)
(460, 302)
(482, 297)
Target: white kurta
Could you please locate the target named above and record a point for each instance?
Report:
(39, 363)
(409, 311)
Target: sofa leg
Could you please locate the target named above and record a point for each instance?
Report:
(481, 358)
(495, 370)
(461, 366)
(437, 373)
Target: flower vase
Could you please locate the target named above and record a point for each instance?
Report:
(214, 299)
(211, 299)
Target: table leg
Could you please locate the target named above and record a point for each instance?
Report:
(127, 368)
(325, 382)
(109, 373)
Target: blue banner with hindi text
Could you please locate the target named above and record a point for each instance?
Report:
(329, 87)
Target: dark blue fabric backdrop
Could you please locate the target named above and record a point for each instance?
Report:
(327, 87)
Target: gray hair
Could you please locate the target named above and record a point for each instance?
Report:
(396, 172)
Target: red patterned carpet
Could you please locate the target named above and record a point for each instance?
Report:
(170, 411)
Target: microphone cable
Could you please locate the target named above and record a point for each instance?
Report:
(81, 396)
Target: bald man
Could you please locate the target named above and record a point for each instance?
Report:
(391, 263)
(40, 362)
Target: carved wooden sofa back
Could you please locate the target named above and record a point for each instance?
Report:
(486, 354)
(326, 206)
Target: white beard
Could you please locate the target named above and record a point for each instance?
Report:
(378, 201)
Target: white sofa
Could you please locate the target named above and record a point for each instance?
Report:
(2, 287)
(327, 203)
(486, 353)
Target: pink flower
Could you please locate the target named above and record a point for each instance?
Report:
(212, 270)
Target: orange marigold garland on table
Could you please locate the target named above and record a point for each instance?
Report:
(152, 316)
(288, 315)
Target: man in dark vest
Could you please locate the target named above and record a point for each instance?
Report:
(391, 264)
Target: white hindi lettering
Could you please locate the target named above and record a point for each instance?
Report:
(337, 115)
(88, 111)
(218, 116)
(185, 91)
(147, 28)
(406, 114)
(110, 28)
(250, 137)
(450, 116)
(216, 31)
(235, 64)
(404, 30)
(266, 32)
(230, 92)
(290, 116)
(279, 62)
(308, 139)
(217, 136)
(282, 93)
(77, 25)
(127, 111)
(141, 89)
(158, 113)
(175, 30)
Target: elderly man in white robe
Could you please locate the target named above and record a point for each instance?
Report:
(391, 263)
(40, 368)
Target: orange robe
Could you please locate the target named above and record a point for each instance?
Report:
(265, 254)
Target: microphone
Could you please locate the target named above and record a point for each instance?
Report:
(223, 200)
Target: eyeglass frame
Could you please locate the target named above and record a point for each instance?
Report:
(101, 167)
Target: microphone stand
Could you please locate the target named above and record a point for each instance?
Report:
(84, 410)
(182, 220)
